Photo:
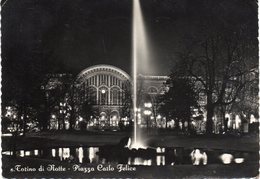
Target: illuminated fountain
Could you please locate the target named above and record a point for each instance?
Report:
(139, 57)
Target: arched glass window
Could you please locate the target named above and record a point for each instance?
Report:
(114, 96)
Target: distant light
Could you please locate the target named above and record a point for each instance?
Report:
(147, 112)
(239, 160)
(159, 116)
(80, 118)
(53, 116)
(148, 105)
(226, 158)
(137, 109)
(252, 119)
(103, 91)
(158, 150)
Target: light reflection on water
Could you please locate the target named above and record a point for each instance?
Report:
(198, 157)
(60, 153)
(164, 156)
(66, 153)
(239, 160)
(27, 153)
(226, 158)
(160, 160)
(92, 154)
(36, 152)
(53, 152)
(21, 153)
(80, 154)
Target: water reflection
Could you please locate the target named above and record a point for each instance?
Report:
(198, 157)
(21, 153)
(160, 160)
(60, 154)
(7, 153)
(66, 153)
(27, 153)
(226, 158)
(80, 154)
(239, 160)
(148, 162)
(53, 152)
(160, 150)
(163, 156)
(92, 154)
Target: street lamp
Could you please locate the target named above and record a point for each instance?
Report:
(147, 112)
(148, 105)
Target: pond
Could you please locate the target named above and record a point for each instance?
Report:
(159, 156)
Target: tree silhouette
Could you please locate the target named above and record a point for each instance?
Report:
(179, 100)
(221, 53)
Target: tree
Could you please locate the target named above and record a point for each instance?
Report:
(85, 101)
(180, 99)
(247, 102)
(127, 100)
(220, 53)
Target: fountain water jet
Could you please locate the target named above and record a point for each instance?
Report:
(139, 52)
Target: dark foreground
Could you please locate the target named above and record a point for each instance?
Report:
(178, 171)
(248, 143)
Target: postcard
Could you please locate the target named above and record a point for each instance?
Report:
(129, 89)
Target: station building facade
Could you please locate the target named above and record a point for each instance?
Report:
(109, 88)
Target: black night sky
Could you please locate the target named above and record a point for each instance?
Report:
(68, 36)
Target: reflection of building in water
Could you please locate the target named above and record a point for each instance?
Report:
(80, 154)
(199, 157)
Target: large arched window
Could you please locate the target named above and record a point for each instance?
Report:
(115, 96)
(103, 95)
